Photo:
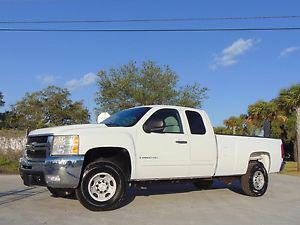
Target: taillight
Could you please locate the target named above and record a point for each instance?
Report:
(282, 151)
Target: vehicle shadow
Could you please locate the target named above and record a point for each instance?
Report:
(165, 188)
(19, 194)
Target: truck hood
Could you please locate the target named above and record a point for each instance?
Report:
(71, 129)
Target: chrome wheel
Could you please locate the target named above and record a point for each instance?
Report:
(102, 187)
(258, 180)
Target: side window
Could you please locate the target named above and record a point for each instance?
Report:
(195, 122)
(164, 121)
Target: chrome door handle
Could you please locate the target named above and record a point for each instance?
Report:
(181, 142)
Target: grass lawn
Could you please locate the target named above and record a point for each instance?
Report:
(9, 160)
(9, 164)
(12, 133)
(291, 169)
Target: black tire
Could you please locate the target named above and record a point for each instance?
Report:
(82, 192)
(249, 185)
(61, 192)
(203, 184)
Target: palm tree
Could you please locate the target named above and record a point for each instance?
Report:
(289, 100)
(231, 123)
(236, 124)
(262, 111)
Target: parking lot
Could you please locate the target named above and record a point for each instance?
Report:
(159, 204)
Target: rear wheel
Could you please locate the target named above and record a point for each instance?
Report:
(203, 184)
(255, 181)
(61, 192)
(102, 186)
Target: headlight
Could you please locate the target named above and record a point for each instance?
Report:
(65, 145)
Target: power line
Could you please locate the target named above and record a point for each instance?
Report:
(154, 30)
(147, 20)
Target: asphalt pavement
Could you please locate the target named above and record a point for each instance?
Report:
(159, 204)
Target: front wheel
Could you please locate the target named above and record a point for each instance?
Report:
(255, 181)
(102, 186)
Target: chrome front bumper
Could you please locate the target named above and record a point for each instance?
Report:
(55, 172)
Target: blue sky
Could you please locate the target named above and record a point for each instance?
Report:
(239, 68)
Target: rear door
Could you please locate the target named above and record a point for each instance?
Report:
(202, 145)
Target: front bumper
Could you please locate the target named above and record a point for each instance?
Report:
(55, 171)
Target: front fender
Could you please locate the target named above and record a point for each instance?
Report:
(110, 139)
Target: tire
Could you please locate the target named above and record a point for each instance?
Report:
(255, 181)
(61, 192)
(110, 190)
(203, 184)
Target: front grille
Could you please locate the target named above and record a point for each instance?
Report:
(37, 139)
(37, 147)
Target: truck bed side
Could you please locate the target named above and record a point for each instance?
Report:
(234, 153)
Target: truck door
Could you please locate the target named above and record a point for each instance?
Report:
(202, 145)
(163, 149)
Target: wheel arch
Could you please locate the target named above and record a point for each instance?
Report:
(118, 155)
(263, 157)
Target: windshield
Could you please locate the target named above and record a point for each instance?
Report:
(126, 118)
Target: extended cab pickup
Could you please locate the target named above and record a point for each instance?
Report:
(147, 143)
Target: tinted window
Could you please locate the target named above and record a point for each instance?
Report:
(126, 118)
(195, 122)
(171, 120)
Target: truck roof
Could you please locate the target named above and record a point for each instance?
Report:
(169, 106)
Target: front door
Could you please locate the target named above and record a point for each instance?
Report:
(163, 151)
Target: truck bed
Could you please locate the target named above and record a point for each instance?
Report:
(234, 153)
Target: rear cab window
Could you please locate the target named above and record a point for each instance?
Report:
(196, 123)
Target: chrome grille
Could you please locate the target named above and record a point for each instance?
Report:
(37, 139)
(37, 147)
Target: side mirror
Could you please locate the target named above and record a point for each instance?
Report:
(156, 126)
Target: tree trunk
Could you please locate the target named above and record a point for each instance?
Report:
(295, 151)
(298, 136)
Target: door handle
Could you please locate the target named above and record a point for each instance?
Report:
(181, 142)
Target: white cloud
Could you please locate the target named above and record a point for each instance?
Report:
(85, 80)
(229, 56)
(289, 50)
(47, 79)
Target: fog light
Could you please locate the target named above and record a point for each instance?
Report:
(53, 178)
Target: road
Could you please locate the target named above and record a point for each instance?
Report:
(159, 204)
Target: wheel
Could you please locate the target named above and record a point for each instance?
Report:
(61, 192)
(102, 186)
(255, 181)
(203, 184)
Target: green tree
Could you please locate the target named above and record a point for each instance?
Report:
(222, 130)
(236, 125)
(129, 86)
(289, 100)
(262, 111)
(51, 106)
(1, 99)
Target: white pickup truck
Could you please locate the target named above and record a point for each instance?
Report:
(148, 143)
